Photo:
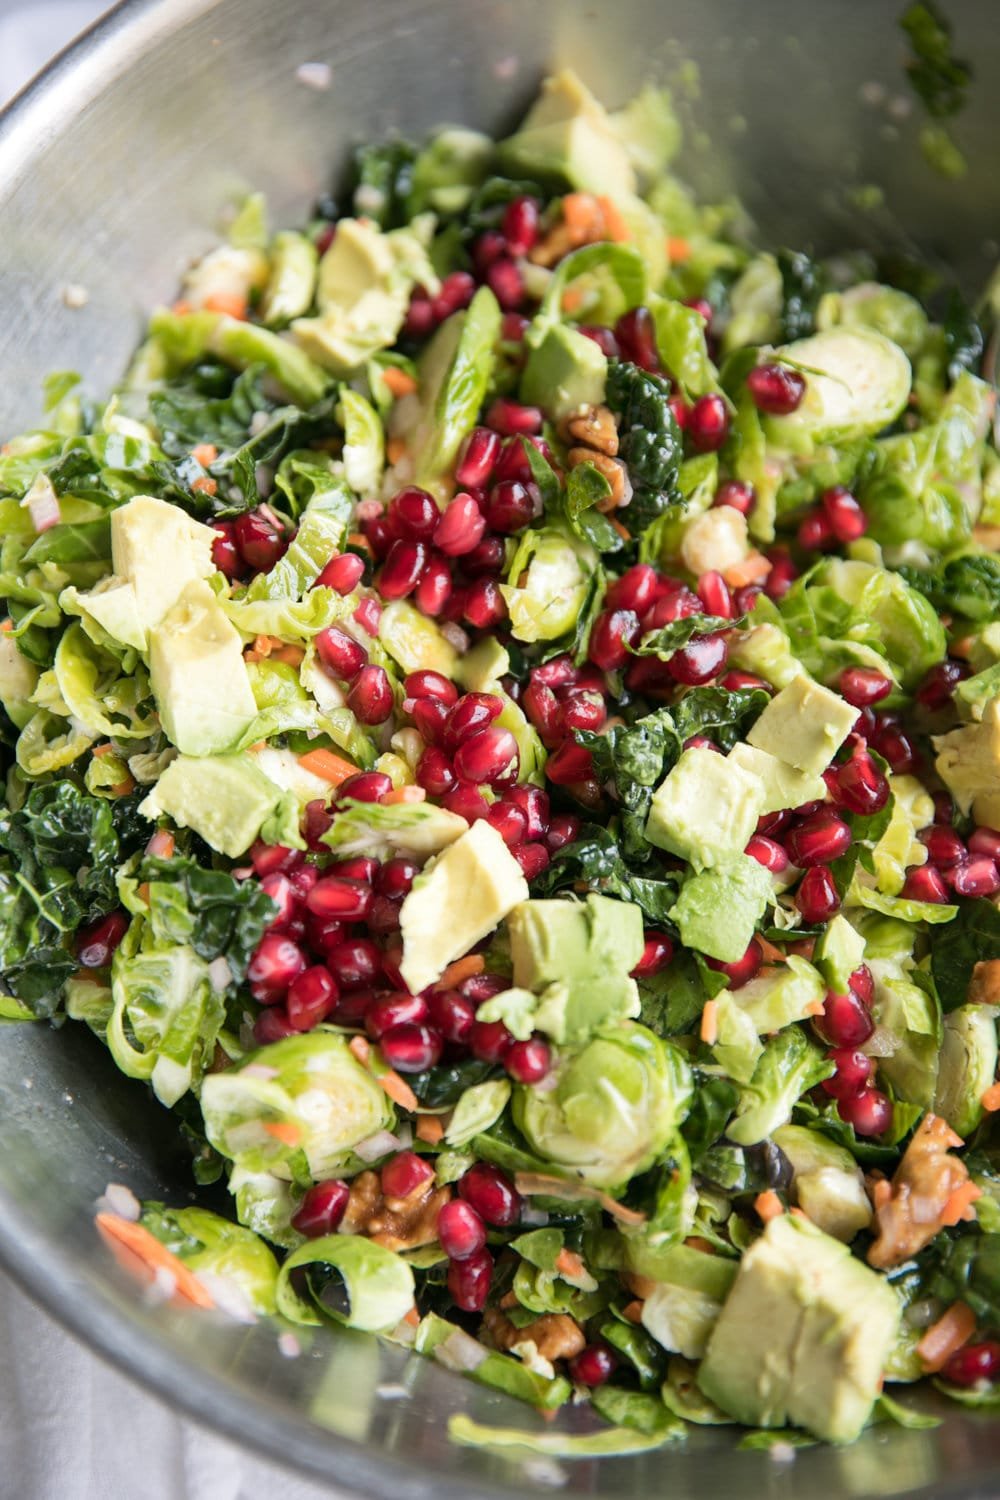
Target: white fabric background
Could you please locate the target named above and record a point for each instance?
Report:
(71, 1428)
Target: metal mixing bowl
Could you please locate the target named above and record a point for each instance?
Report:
(114, 167)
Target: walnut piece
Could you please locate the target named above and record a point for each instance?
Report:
(593, 427)
(911, 1211)
(554, 1335)
(984, 987)
(395, 1223)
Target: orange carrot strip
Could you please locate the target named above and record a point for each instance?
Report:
(405, 794)
(991, 1099)
(953, 1328)
(144, 1247)
(412, 1317)
(359, 542)
(395, 449)
(162, 844)
(770, 953)
(462, 968)
(400, 382)
(621, 529)
(292, 656)
(398, 1089)
(331, 767)
(632, 1311)
(568, 1263)
(815, 1008)
(181, 307)
(361, 1047)
(122, 788)
(231, 303)
(580, 210)
(710, 1022)
(7, 626)
(206, 484)
(799, 1213)
(429, 1129)
(959, 1204)
(142, 891)
(263, 645)
(768, 1205)
(284, 1131)
(678, 248)
(573, 299)
(803, 947)
(752, 569)
(882, 1193)
(617, 229)
(106, 749)
(205, 453)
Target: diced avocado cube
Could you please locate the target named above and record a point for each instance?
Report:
(783, 785)
(482, 667)
(568, 135)
(804, 725)
(458, 899)
(682, 1308)
(707, 807)
(362, 293)
(579, 954)
(803, 1337)
(565, 372)
(827, 1181)
(112, 603)
(159, 549)
(966, 1066)
(223, 798)
(718, 909)
(839, 950)
(198, 676)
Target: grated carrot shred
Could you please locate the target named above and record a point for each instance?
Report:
(573, 299)
(678, 248)
(954, 1328)
(959, 1204)
(412, 1317)
(752, 569)
(404, 794)
(327, 765)
(398, 1089)
(991, 1099)
(621, 529)
(205, 453)
(123, 788)
(233, 304)
(710, 1023)
(632, 1311)
(461, 969)
(181, 307)
(263, 645)
(162, 844)
(568, 1263)
(614, 221)
(292, 656)
(768, 1205)
(769, 952)
(400, 382)
(395, 449)
(284, 1131)
(106, 749)
(206, 484)
(7, 626)
(361, 1047)
(138, 1244)
(580, 210)
(429, 1129)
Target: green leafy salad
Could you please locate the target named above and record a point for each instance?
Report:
(501, 717)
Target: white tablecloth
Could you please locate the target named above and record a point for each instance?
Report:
(71, 1428)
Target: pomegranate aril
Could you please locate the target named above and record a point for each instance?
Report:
(355, 963)
(394, 1010)
(452, 1014)
(267, 859)
(744, 682)
(745, 598)
(818, 839)
(368, 615)
(557, 673)
(480, 987)
(479, 456)
(713, 591)
(490, 1041)
(781, 577)
(396, 876)
(322, 1208)
(510, 418)
(361, 867)
(272, 1025)
(528, 1062)
(404, 1173)
(593, 1365)
(985, 841)
(602, 337)
(505, 281)
(259, 541)
(225, 554)
(612, 633)
(467, 800)
(276, 962)
(767, 853)
(484, 604)
(487, 248)
(279, 888)
(979, 877)
(469, 1281)
(435, 772)
(366, 786)
(679, 410)
(862, 984)
(533, 859)
(845, 1021)
(563, 830)
(510, 507)
(863, 686)
(513, 327)
(636, 335)
(853, 1072)
(844, 515)
(461, 527)
(491, 1194)
(583, 711)
(410, 1048)
(509, 822)
(472, 712)
(380, 534)
(699, 661)
(343, 900)
(95, 944)
(420, 319)
(457, 291)
(460, 1230)
(869, 1111)
(434, 589)
(342, 574)
(430, 716)
(744, 969)
(384, 916)
(943, 845)
(736, 495)
(485, 559)
(570, 763)
(534, 803)
(415, 514)
(973, 1364)
(816, 897)
(311, 998)
(925, 884)
(776, 389)
(938, 686)
(771, 824)
(426, 684)
(340, 653)
(860, 785)
(541, 706)
(520, 224)
(370, 696)
(708, 423)
(676, 604)
(895, 747)
(815, 532)
(635, 590)
(657, 951)
(402, 569)
(325, 934)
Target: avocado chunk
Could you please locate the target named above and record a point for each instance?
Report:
(706, 808)
(804, 725)
(226, 799)
(827, 1182)
(857, 381)
(568, 135)
(156, 551)
(968, 762)
(718, 909)
(198, 676)
(565, 372)
(783, 785)
(682, 1308)
(459, 898)
(966, 1066)
(577, 957)
(803, 1337)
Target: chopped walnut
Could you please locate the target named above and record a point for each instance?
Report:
(592, 427)
(984, 988)
(554, 1335)
(911, 1210)
(395, 1223)
(586, 220)
(612, 469)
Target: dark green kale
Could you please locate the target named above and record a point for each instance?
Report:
(649, 441)
(219, 916)
(381, 179)
(972, 937)
(967, 586)
(803, 283)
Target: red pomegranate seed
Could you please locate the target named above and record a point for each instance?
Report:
(980, 877)
(636, 335)
(490, 1041)
(426, 684)
(862, 984)
(384, 916)
(489, 755)
(467, 800)
(269, 858)
(745, 598)
(272, 1025)
(583, 711)
(776, 389)
(938, 685)
(863, 686)
(461, 527)
(557, 673)
(368, 615)
(486, 559)
(771, 824)
(279, 888)
(570, 763)
(460, 1229)
(469, 1281)
(480, 987)
(487, 248)
(602, 337)
(520, 224)
(224, 551)
(259, 541)
(355, 963)
(815, 533)
(343, 900)
(419, 320)
(510, 507)
(736, 495)
(818, 839)
(534, 803)
(311, 998)
(509, 418)
(513, 462)
(366, 786)
(708, 424)
(472, 712)
(767, 853)
(635, 590)
(370, 696)
(484, 604)
(388, 1011)
(563, 830)
(434, 589)
(479, 456)
(985, 841)
(402, 569)
(943, 845)
(342, 574)
(699, 661)
(530, 1061)
(713, 591)
(325, 934)
(853, 1072)
(452, 1014)
(352, 1008)
(430, 716)
(396, 876)
(96, 943)
(744, 969)
(340, 653)
(895, 747)
(846, 1022)
(678, 604)
(974, 1363)
(414, 514)
(782, 575)
(533, 859)
(593, 1365)
(410, 1048)
(322, 1208)
(404, 1173)
(680, 411)
(744, 682)
(844, 515)
(701, 305)
(457, 291)
(491, 1194)
(506, 283)
(816, 897)
(435, 773)
(861, 787)
(276, 962)
(302, 879)
(869, 1111)
(657, 951)
(611, 635)
(541, 706)
(380, 534)
(925, 884)
(509, 822)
